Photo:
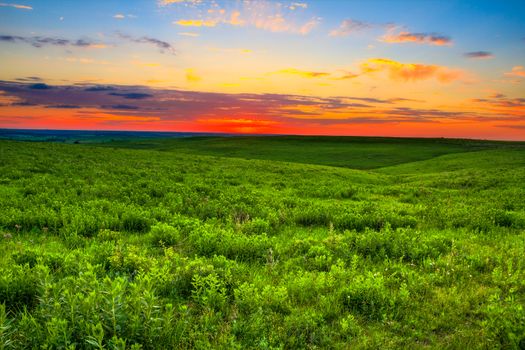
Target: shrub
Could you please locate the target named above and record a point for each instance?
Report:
(164, 234)
(256, 226)
(19, 286)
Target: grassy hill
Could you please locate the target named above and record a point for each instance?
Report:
(184, 244)
(349, 152)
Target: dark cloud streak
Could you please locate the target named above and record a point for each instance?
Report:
(479, 54)
(163, 46)
(41, 41)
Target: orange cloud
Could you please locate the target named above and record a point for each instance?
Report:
(410, 71)
(517, 71)
(6, 99)
(418, 38)
(302, 73)
(235, 19)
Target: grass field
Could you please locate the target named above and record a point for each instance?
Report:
(263, 243)
(349, 152)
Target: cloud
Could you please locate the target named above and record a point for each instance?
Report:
(418, 38)
(184, 104)
(189, 34)
(16, 6)
(39, 41)
(265, 15)
(309, 26)
(192, 76)
(84, 60)
(171, 105)
(378, 100)
(501, 101)
(410, 71)
(123, 16)
(517, 71)
(350, 26)
(100, 88)
(347, 75)
(302, 73)
(196, 23)
(122, 107)
(520, 127)
(132, 95)
(163, 46)
(235, 19)
(39, 86)
(29, 79)
(169, 2)
(479, 55)
(296, 5)
(65, 106)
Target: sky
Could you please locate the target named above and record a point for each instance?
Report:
(384, 68)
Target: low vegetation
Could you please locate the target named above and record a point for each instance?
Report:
(117, 248)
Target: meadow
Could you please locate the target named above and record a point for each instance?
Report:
(262, 243)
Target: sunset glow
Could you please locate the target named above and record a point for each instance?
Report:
(385, 68)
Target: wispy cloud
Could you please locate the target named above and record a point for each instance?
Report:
(189, 34)
(40, 41)
(123, 16)
(346, 75)
(410, 71)
(502, 101)
(196, 23)
(302, 73)
(170, 2)
(296, 5)
(163, 46)
(84, 60)
(517, 71)
(265, 15)
(29, 79)
(16, 6)
(479, 55)
(518, 126)
(393, 37)
(350, 26)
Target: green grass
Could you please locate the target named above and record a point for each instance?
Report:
(158, 245)
(349, 152)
